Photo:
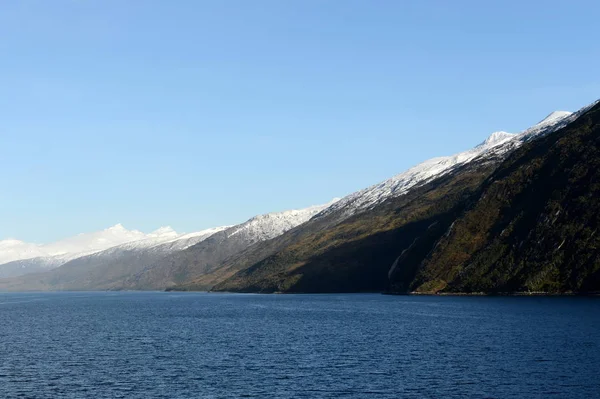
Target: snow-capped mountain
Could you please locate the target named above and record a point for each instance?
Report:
(117, 258)
(11, 250)
(498, 143)
(19, 258)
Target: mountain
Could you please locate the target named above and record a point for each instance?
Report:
(531, 227)
(19, 258)
(352, 245)
(474, 221)
(353, 255)
(34, 265)
(345, 208)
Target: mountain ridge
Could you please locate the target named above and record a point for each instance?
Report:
(289, 267)
(436, 167)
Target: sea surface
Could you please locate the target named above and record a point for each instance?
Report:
(196, 345)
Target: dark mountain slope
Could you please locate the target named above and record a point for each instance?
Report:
(356, 254)
(533, 226)
(415, 240)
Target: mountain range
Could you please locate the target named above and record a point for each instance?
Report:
(516, 213)
(156, 261)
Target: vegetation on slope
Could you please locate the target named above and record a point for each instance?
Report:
(532, 227)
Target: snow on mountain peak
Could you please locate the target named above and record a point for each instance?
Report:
(496, 144)
(553, 117)
(419, 174)
(496, 138)
(270, 225)
(552, 122)
(168, 239)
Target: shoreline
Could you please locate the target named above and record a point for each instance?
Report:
(517, 293)
(392, 293)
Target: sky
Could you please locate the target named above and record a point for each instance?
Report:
(197, 114)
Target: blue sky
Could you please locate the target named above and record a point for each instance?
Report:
(202, 113)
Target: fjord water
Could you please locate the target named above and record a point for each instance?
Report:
(183, 345)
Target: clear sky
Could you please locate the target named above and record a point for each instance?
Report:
(196, 113)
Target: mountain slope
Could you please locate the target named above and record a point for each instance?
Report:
(396, 231)
(34, 265)
(497, 143)
(371, 224)
(533, 226)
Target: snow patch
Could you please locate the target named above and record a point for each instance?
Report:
(270, 225)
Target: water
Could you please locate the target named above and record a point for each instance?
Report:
(165, 345)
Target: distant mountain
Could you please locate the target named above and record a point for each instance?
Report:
(161, 259)
(34, 265)
(19, 258)
(352, 245)
(107, 269)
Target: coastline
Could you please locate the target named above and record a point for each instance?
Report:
(516, 293)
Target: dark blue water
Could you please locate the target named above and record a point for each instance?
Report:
(164, 345)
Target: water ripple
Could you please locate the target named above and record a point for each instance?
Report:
(159, 345)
